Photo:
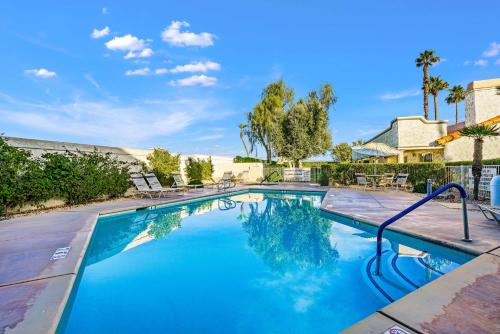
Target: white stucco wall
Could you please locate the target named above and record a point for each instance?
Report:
(418, 132)
(461, 149)
(482, 101)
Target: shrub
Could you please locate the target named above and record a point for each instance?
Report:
(469, 163)
(240, 159)
(198, 170)
(163, 164)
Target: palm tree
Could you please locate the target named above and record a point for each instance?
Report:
(435, 85)
(498, 90)
(457, 95)
(478, 132)
(242, 129)
(424, 60)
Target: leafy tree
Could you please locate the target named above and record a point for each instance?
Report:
(163, 164)
(242, 132)
(342, 152)
(304, 130)
(198, 170)
(456, 95)
(424, 60)
(436, 84)
(478, 132)
(357, 142)
(265, 119)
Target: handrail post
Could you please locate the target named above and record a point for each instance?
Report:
(463, 196)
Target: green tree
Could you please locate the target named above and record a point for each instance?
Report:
(456, 95)
(305, 131)
(478, 132)
(163, 164)
(242, 133)
(265, 119)
(342, 152)
(436, 84)
(357, 142)
(198, 170)
(424, 60)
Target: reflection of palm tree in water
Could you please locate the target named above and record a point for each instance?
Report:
(290, 233)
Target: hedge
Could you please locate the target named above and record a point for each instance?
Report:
(343, 173)
(469, 163)
(75, 177)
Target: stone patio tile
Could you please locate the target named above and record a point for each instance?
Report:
(34, 307)
(467, 300)
(496, 251)
(375, 324)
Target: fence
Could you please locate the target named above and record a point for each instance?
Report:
(463, 176)
(282, 174)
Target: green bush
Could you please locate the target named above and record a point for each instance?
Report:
(469, 163)
(198, 170)
(163, 164)
(343, 173)
(240, 159)
(75, 177)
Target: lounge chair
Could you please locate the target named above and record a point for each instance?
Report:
(226, 181)
(491, 213)
(209, 184)
(142, 186)
(362, 181)
(156, 185)
(386, 180)
(242, 177)
(179, 183)
(401, 181)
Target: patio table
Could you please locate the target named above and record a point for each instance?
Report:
(375, 179)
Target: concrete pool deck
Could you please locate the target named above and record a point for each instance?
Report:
(34, 289)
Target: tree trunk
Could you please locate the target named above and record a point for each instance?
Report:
(435, 107)
(244, 144)
(477, 166)
(426, 92)
(296, 163)
(269, 155)
(456, 112)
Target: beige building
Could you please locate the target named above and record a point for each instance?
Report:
(419, 140)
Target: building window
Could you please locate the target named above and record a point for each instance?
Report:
(426, 157)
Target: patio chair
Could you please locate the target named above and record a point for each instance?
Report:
(491, 213)
(362, 181)
(179, 183)
(401, 181)
(141, 185)
(155, 184)
(210, 184)
(226, 181)
(386, 180)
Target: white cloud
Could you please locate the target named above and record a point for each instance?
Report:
(174, 36)
(195, 80)
(140, 71)
(400, 95)
(108, 122)
(497, 62)
(41, 73)
(144, 53)
(126, 43)
(467, 62)
(160, 71)
(104, 11)
(480, 62)
(197, 67)
(493, 50)
(91, 79)
(100, 33)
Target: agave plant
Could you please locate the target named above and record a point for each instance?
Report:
(424, 60)
(456, 95)
(478, 132)
(436, 84)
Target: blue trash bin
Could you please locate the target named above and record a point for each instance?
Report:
(495, 191)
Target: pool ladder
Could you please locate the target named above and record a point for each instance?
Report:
(463, 197)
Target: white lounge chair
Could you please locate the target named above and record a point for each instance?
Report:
(155, 185)
(362, 181)
(491, 213)
(401, 181)
(226, 181)
(142, 186)
(179, 183)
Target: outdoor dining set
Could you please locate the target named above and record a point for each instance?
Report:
(382, 181)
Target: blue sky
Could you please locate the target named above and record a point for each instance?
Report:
(115, 72)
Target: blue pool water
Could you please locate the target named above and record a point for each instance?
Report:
(264, 262)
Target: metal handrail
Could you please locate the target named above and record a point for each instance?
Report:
(266, 178)
(463, 196)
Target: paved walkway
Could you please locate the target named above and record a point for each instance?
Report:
(34, 288)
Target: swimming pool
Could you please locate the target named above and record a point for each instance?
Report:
(255, 262)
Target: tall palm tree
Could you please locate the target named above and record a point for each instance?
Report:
(478, 132)
(435, 85)
(242, 133)
(456, 95)
(424, 60)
